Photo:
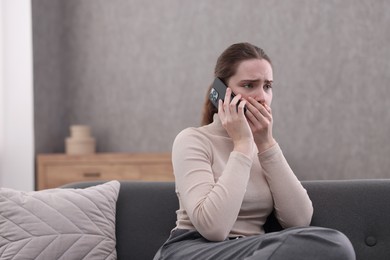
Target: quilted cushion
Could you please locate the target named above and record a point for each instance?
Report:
(59, 223)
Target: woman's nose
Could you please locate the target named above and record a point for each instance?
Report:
(260, 97)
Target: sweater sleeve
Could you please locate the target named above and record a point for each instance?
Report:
(212, 206)
(292, 204)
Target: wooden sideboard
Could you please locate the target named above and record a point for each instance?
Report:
(54, 170)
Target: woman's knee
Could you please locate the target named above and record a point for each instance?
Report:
(305, 243)
(346, 248)
(335, 243)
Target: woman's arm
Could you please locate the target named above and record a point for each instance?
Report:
(292, 204)
(212, 206)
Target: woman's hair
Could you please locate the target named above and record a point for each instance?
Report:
(226, 67)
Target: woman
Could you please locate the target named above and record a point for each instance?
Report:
(231, 174)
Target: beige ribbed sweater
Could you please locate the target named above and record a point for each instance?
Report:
(223, 193)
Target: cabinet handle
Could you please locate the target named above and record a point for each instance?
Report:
(91, 174)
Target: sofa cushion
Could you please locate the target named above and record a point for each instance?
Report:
(59, 223)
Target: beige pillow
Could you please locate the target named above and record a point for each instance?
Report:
(59, 223)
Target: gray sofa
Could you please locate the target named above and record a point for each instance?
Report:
(359, 208)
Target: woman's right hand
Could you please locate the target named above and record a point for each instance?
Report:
(235, 123)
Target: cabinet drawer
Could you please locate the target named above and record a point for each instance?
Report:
(55, 170)
(62, 174)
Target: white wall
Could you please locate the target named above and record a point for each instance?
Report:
(16, 96)
(2, 128)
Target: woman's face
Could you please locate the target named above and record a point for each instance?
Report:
(253, 78)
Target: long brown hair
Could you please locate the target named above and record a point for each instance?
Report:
(226, 67)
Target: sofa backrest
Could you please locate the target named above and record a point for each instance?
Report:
(145, 215)
(358, 208)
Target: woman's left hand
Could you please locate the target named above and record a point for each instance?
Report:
(260, 121)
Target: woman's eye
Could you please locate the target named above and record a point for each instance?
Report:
(248, 86)
(267, 86)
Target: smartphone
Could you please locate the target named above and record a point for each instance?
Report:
(218, 91)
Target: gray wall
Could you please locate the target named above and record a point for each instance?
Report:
(137, 72)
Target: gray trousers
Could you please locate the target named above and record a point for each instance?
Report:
(314, 243)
